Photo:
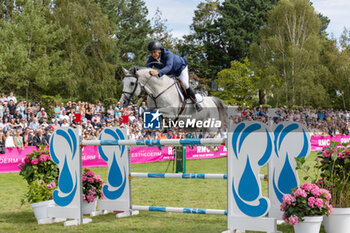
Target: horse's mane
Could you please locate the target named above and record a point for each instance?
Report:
(135, 69)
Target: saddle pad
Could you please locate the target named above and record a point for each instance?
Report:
(199, 97)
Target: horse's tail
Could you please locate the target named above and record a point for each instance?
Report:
(222, 110)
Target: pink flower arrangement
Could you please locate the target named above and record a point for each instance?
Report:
(43, 158)
(35, 161)
(27, 160)
(306, 200)
(92, 186)
(334, 167)
(38, 165)
(51, 185)
(41, 174)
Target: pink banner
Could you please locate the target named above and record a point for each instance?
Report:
(152, 154)
(13, 156)
(91, 158)
(318, 142)
(10, 160)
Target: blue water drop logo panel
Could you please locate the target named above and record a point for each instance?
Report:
(117, 160)
(291, 140)
(63, 150)
(250, 147)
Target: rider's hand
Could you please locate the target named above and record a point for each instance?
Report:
(153, 73)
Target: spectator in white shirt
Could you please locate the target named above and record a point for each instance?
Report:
(9, 139)
(34, 124)
(41, 115)
(99, 109)
(64, 116)
(131, 117)
(3, 98)
(11, 97)
(142, 109)
(44, 124)
(110, 110)
(65, 123)
(54, 118)
(23, 123)
(55, 125)
(2, 109)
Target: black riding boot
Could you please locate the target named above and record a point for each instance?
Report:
(192, 96)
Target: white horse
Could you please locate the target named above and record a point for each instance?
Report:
(163, 95)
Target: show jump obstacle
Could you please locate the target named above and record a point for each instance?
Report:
(250, 146)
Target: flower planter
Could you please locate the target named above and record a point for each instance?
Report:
(309, 225)
(40, 209)
(89, 207)
(338, 221)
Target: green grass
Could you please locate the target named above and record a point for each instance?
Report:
(209, 194)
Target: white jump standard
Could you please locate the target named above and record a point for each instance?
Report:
(250, 146)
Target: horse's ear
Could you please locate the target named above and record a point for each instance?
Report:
(135, 69)
(125, 71)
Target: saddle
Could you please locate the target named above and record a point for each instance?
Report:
(183, 95)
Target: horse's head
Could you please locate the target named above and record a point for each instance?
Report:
(131, 86)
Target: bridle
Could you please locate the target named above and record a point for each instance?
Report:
(143, 87)
(131, 94)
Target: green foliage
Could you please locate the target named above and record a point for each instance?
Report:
(161, 32)
(297, 107)
(266, 106)
(109, 101)
(87, 46)
(30, 52)
(240, 24)
(236, 84)
(131, 29)
(41, 174)
(221, 33)
(287, 54)
(334, 169)
(48, 102)
(39, 191)
(200, 46)
(336, 67)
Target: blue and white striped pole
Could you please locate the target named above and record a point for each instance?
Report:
(179, 175)
(184, 175)
(156, 142)
(179, 210)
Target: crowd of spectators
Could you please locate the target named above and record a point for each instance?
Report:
(319, 122)
(25, 123)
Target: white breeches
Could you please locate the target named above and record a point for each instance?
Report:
(183, 77)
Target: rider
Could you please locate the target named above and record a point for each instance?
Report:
(170, 64)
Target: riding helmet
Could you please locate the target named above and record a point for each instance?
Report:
(154, 45)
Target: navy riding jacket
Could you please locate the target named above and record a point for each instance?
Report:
(169, 63)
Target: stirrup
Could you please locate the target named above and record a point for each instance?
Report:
(198, 107)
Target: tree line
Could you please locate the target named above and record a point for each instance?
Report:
(274, 52)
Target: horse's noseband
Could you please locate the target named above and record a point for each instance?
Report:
(131, 94)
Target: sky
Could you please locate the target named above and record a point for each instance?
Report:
(179, 13)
